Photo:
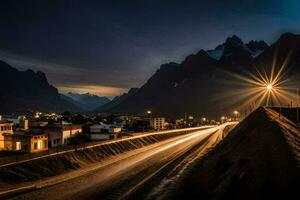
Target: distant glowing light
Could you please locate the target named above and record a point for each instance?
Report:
(269, 85)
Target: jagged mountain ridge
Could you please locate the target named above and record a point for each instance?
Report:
(195, 85)
(254, 48)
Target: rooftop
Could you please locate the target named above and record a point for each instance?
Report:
(25, 133)
(5, 122)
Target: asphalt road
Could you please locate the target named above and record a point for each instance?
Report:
(145, 173)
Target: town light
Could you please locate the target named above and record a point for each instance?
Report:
(149, 112)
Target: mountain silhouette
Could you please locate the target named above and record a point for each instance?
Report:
(198, 84)
(29, 91)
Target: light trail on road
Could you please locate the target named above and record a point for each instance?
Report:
(121, 176)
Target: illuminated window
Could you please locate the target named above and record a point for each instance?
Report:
(18, 146)
(39, 144)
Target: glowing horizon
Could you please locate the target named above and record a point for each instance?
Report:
(93, 89)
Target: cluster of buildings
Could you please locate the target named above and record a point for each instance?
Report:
(43, 131)
(40, 132)
(15, 135)
(23, 135)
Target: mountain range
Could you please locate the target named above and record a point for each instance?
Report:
(196, 86)
(86, 101)
(199, 84)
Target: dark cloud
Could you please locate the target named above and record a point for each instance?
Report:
(121, 43)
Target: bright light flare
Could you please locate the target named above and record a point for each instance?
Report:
(264, 87)
(269, 87)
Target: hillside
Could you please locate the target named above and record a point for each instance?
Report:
(259, 159)
(198, 84)
(25, 91)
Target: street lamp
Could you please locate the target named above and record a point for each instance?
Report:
(223, 119)
(203, 120)
(149, 112)
(297, 104)
(236, 114)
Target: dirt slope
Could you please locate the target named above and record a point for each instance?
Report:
(258, 160)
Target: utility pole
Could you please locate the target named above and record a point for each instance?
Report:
(185, 119)
(297, 106)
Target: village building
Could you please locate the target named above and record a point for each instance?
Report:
(20, 123)
(25, 141)
(61, 134)
(6, 127)
(158, 123)
(104, 131)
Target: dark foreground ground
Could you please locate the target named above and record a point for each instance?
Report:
(260, 159)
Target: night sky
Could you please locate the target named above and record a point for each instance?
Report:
(106, 47)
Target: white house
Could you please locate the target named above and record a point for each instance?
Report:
(104, 131)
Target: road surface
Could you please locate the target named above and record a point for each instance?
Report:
(145, 173)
